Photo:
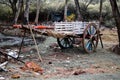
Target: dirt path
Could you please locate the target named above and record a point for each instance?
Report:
(70, 64)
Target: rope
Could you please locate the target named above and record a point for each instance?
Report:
(35, 43)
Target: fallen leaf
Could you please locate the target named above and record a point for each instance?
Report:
(32, 66)
(23, 68)
(15, 76)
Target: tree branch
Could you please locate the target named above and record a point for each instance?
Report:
(89, 3)
(5, 3)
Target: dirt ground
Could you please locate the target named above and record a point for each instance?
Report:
(69, 64)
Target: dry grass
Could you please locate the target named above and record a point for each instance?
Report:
(109, 35)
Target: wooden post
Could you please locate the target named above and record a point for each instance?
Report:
(100, 21)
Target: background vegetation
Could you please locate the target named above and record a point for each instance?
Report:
(47, 7)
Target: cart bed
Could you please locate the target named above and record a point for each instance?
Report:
(70, 27)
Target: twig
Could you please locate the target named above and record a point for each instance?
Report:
(12, 57)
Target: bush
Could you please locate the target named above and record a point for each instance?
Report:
(52, 6)
(4, 13)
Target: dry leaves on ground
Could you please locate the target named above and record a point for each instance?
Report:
(32, 66)
(15, 76)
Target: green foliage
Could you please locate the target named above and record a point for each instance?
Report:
(109, 23)
(4, 13)
(108, 20)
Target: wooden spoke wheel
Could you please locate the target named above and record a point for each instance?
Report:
(66, 42)
(90, 38)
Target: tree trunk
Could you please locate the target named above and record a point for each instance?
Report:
(100, 19)
(65, 10)
(26, 13)
(79, 17)
(37, 12)
(13, 6)
(116, 15)
(18, 11)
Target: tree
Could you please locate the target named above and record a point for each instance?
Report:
(12, 4)
(26, 13)
(37, 11)
(79, 17)
(84, 8)
(65, 10)
(18, 11)
(116, 15)
(86, 3)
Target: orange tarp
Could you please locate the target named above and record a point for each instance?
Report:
(40, 27)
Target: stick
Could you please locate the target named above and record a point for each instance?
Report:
(21, 43)
(100, 20)
(35, 43)
(3, 64)
(12, 57)
(101, 41)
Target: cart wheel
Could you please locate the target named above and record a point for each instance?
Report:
(90, 38)
(65, 43)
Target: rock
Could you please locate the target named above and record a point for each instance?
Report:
(79, 72)
(53, 45)
(115, 49)
(33, 50)
(2, 78)
(2, 66)
(13, 53)
(49, 62)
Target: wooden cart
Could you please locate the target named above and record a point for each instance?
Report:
(86, 32)
(67, 32)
